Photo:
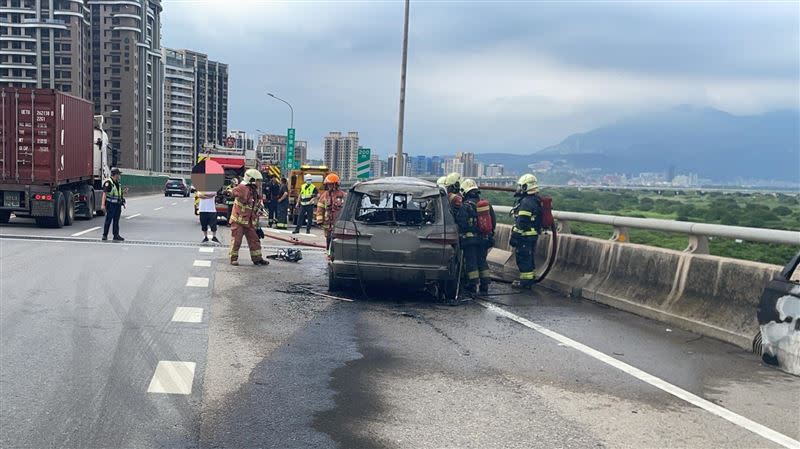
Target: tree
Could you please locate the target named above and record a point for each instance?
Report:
(782, 211)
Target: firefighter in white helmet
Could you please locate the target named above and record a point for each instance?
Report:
(527, 227)
(244, 217)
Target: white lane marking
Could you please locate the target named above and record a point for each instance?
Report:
(202, 263)
(206, 250)
(174, 204)
(663, 385)
(78, 234)
(172, 378)
(132, 216)
(185, 200)
(159, 208)
(188, 315)
(197, 282)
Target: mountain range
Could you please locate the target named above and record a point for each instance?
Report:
(709, 142)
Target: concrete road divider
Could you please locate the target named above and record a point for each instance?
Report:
(710, 295)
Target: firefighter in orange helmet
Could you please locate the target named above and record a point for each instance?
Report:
(244, 217)
(329, 205)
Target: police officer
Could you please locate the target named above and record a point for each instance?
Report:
(114, 201)
(527, 227)
(308, 193)
(476, 245)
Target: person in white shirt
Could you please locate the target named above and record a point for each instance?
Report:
(208, 215)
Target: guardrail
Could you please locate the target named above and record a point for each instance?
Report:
(698, 233)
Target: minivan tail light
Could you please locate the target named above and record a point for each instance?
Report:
(344, 233)
(444, 238)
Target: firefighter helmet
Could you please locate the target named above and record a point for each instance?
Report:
(469, 185)
(453, 179)
(528, 183)
(440, 181)
(252, 175)
(332, 178)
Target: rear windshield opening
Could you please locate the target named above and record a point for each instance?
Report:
(391, 208)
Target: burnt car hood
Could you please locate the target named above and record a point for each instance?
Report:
(418, 188)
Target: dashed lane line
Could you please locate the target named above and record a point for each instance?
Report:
(202, 263)
(197, 282)
(174, 204)
(188, 315)
(206, 250)
(159, 208)
(172, 377)
(741, 421)
(78, 234)
(132, 216)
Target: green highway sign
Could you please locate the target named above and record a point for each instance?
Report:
(290, 162)
(362, 166)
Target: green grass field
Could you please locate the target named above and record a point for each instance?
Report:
(757, 210)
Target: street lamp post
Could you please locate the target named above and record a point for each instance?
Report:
(291, 109)
(289, 135)
(399, 165)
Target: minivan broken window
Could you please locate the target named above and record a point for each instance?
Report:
(393, 208)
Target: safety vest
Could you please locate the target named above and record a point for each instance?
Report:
(306, 194)
(115, 195)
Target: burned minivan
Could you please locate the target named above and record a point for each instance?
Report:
(395, 231)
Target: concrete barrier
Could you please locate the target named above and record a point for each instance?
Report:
(710, 295)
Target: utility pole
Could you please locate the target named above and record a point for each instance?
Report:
(399, 164)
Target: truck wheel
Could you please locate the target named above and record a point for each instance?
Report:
(61, 211)
(89, 205)
(69, 212)
(5, 215)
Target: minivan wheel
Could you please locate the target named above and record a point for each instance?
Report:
(334, 285)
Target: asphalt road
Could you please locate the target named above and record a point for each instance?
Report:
(88, 331)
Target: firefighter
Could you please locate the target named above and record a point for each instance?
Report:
(306, 199)
(244, 218)
(283, 204)
(452, 183)
(329, 205)
(527, 227)
(229, 196)
(440, 182)
(476, 247)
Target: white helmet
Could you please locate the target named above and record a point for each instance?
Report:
(468, 185)
(528, 184)
(307, 178)
(252, 175)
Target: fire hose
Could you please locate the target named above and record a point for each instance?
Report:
(294, 241)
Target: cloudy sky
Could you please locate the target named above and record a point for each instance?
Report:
(495, 76)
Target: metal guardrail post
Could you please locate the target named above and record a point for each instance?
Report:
(621, 234)
(698, 244)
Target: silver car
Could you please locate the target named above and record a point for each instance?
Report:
(395, 231)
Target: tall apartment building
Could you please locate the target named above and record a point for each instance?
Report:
(271, 149)
(243, 141)
(179, 113)
(341, 153)
(46, 44)
(377, 167)
(211, 96)
(127, 75)
(405, 163)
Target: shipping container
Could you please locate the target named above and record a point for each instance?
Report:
(46, 137)
(50, 165)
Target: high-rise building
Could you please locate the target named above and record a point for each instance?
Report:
(436, 166)
(127, 75)
(341, 153)
(470, 165)
(46, 44)
(179, 110)
(211, 95)
(454, 165)
(243, 141)
(419, 166)
(493, 170)
(271, 149)
(391, 163)
(377, 167)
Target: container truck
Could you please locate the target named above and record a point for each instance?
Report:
(53, 157)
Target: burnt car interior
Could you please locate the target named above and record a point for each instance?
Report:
(398, 209)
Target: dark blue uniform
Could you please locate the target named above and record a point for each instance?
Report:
(474, 244)
(525, 234)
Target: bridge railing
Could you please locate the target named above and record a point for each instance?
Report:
(697, 233)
